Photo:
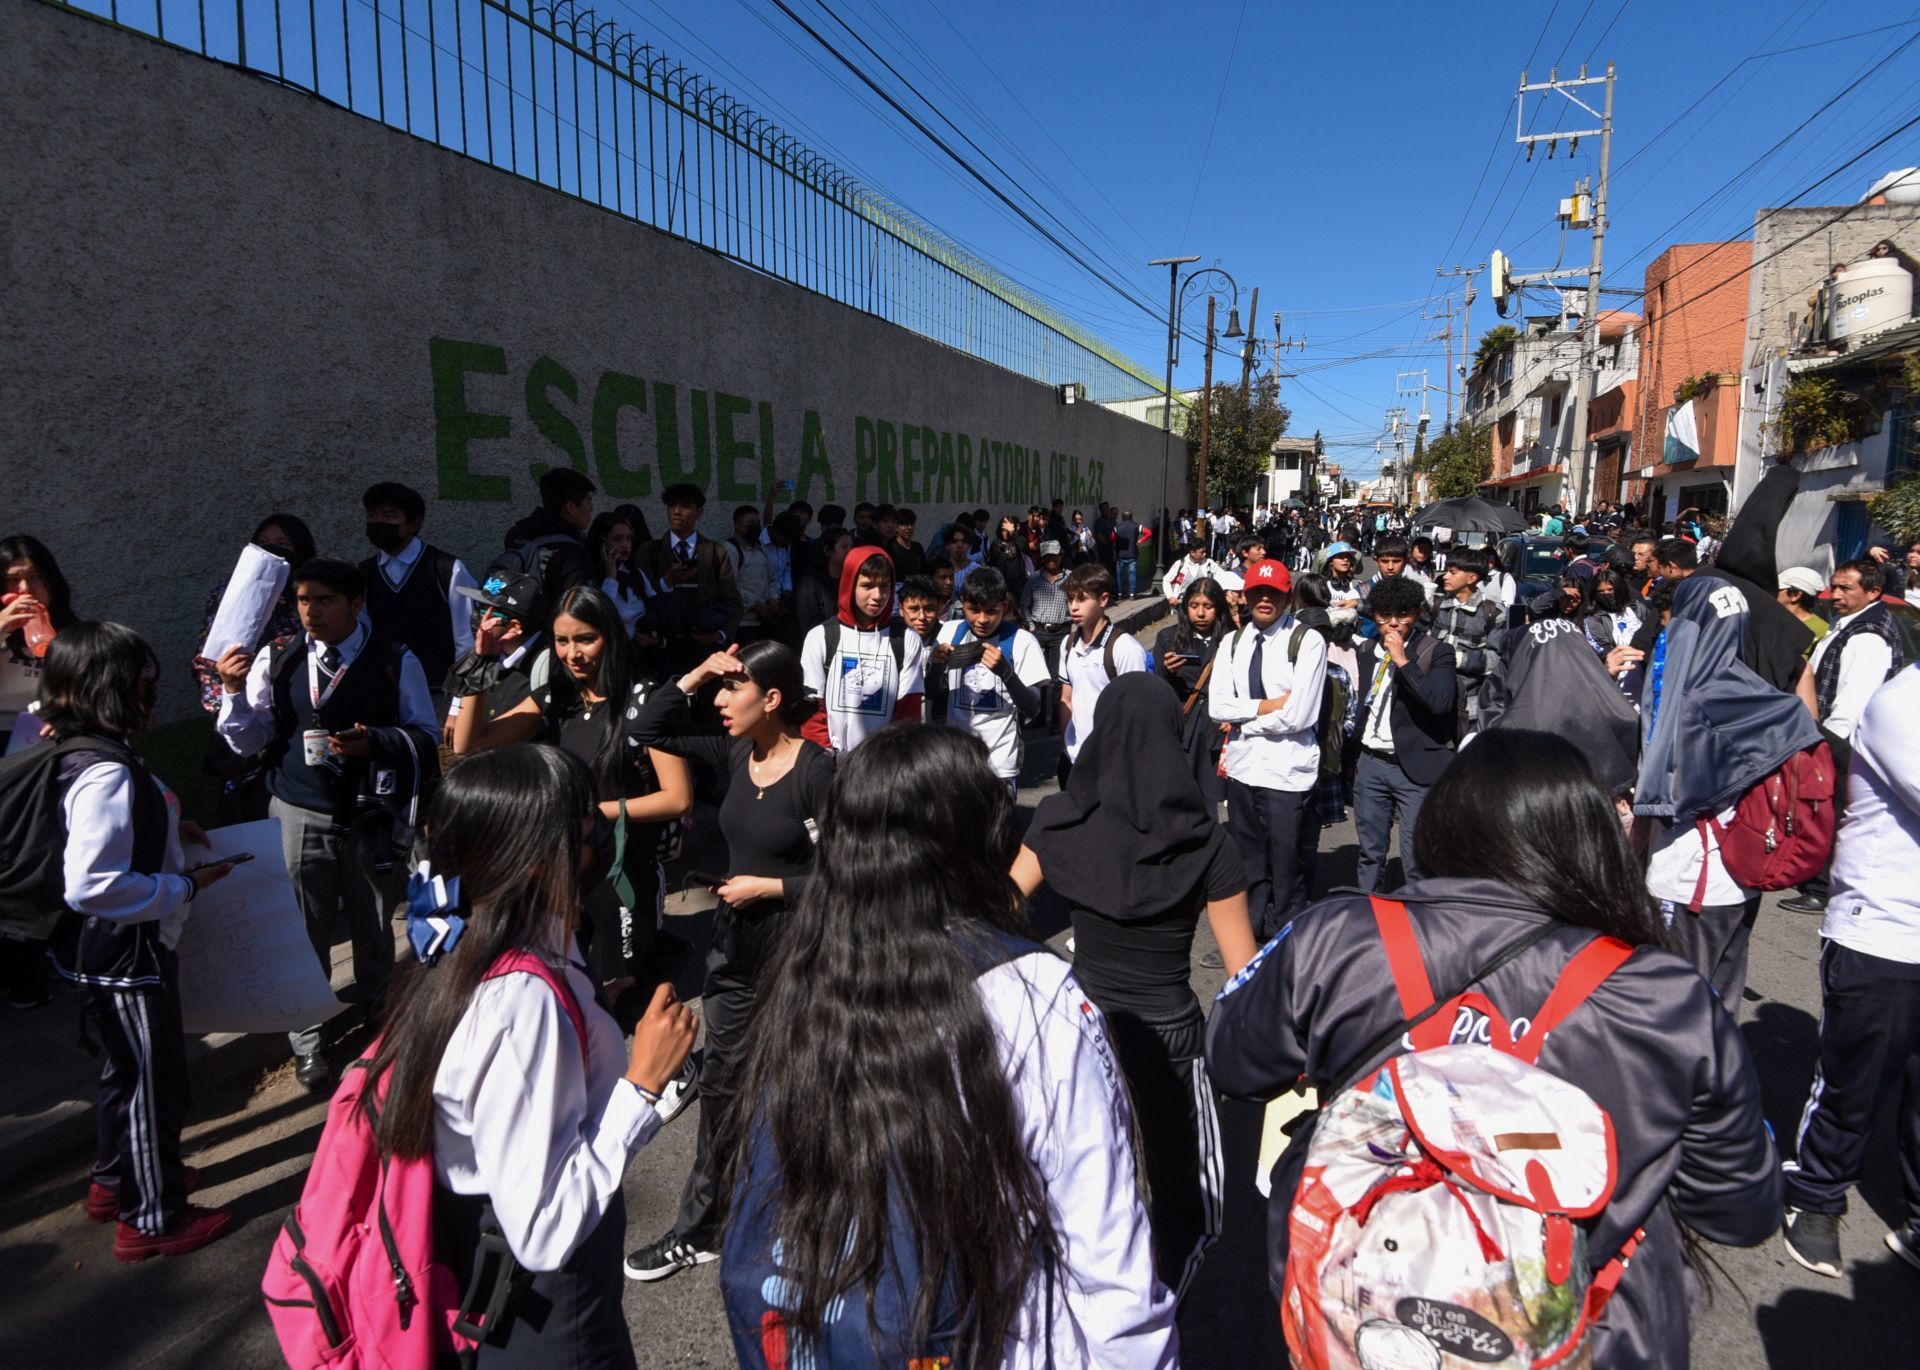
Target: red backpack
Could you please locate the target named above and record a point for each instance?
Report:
(1782, 828)
(351, 1282)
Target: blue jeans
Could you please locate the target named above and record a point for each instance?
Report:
(1127, 573)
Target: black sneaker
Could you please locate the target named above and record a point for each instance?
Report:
(666, 1257)
(1813, 1239)
(1804, 903)
(1904, 1242)
(1212, 960)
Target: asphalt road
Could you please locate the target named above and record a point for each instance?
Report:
(67, 1304)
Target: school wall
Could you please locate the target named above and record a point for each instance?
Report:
(223, 298)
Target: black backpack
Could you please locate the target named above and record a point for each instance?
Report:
(33, 831)
(896, 638)
(530, 558)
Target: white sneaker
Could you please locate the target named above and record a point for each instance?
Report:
(681, 1090)
(1905, 1243)
(1069, 946)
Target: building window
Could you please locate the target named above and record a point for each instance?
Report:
(1903, 444)
(1553, 415)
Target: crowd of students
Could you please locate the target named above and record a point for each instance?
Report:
(508, 761)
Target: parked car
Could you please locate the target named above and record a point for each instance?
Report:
(1536, 561)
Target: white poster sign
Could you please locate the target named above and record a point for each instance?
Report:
(245, 962)
(26, 732)
(247, 605)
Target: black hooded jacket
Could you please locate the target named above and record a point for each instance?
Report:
(1653, 1046)
(564, 563)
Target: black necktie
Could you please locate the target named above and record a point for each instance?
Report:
(686, 554)
(1256, 676)
(330, 661)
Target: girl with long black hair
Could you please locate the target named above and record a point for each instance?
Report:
(34, 600)
(1183, 656)
(1136, 851)
(592, 692)
(776, 790)
(613, 545)
(124, 876)
(33, 597)
(1524, 864)
(931, 1156)
(530, 1127)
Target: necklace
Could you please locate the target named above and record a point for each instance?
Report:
(760, 786)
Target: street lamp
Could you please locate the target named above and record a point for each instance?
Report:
(1177, 301)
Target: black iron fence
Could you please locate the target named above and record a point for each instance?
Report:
(554, 92)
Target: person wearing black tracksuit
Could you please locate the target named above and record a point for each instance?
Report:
(1653, 1045)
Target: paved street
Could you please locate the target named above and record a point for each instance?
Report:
(68, 1304)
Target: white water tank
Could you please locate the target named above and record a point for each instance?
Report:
(1870, 296)
(1901, 187)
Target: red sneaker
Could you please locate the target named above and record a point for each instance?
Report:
(194, 1228)
(103, 1204)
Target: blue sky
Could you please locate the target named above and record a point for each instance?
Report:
(1346, 160)
(1332, 155)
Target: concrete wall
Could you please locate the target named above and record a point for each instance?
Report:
(224, 298)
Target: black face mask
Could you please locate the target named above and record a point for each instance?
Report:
(600, 855)
(386, 537)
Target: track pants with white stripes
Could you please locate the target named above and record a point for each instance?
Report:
(143, 1098)
(1869, 1062)
(1179, 1128)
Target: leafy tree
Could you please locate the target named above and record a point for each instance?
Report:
(1457, 462)
(1240, 441)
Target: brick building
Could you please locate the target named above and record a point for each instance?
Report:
(1696, 311)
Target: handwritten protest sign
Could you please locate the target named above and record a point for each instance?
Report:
(245, 962)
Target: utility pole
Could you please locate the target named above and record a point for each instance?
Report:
(1206, 409)
(1578, 473)
(1466, 320)
(1447, 314)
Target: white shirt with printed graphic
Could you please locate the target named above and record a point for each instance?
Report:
(861, 685)
(978, 699)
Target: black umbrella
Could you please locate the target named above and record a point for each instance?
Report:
(1471, 514)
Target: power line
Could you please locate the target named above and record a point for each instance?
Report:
(963, 134)
(1206, 152)
(1149, 310)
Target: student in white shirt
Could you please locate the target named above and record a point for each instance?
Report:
(990, 697)
(1195, 565)
(1709, 915)
(753, 572)
(1095, 653)
(866, 670)
(1862, 650)
(491, 1074)
(122, 870)
(1267, 682)
(910, 904)
(348, 736)
(413, 588)
(1870, 988)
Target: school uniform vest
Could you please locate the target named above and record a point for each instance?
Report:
(1876, 620)
(368, 692)
(107, 952)
(416, 613)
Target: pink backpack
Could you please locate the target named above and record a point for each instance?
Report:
(351, 1281)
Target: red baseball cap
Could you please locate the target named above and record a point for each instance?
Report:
(1269, 575)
